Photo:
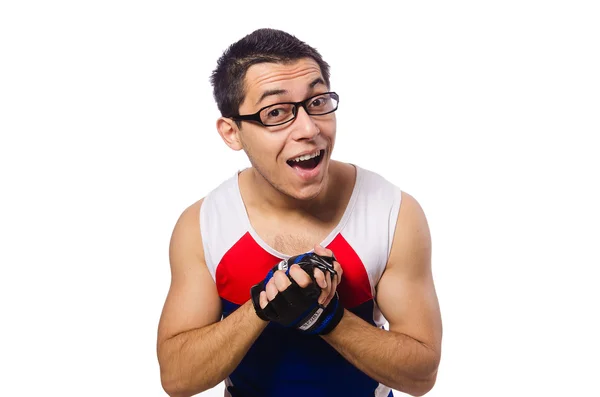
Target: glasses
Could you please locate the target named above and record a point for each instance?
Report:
(284, 112)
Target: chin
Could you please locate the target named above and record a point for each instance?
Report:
(307, 193)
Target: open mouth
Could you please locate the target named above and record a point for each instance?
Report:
(308, 161)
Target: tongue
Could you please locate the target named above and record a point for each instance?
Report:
(306, 164)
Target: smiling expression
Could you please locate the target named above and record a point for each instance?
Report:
(294, 157)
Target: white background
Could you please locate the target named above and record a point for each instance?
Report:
(486, 112)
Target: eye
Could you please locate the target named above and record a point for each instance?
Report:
(277, 114)
(274, 112)
(318, 102)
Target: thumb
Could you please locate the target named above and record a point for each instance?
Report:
(319, 250)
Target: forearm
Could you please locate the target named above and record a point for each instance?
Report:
(391, 358)
(199, 359)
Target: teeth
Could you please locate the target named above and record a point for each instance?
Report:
(306, 156)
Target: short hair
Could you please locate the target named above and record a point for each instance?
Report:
(262, 45)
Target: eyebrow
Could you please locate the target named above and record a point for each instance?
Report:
(268, 93)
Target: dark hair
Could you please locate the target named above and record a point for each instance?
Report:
(263, 45)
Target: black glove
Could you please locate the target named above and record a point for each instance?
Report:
(298, 307)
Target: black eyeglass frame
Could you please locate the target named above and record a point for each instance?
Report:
(256, 116)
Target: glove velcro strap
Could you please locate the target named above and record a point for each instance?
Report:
(332, 320)
(311, 320)
(325, 319)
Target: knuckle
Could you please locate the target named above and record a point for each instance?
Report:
(301, 279)
(282, 282)
(278, 276)
(303, 283)
(269, 284)
(296, 271)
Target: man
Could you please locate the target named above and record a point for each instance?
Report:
(274, 94)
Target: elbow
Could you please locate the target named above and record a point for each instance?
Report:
(173, 378)
(170, 378)
(416, 387)
(173, 387)
(172, 390)
(422, 386)
(176, 386)
(177, 389)
(428, 376)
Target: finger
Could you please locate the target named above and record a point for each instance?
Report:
(271, 290)
(281, 281)
(319, 250)
(320, 277)
(338, 270)
(325, 291)
(262, 299)
(334, 285)
(300, 276)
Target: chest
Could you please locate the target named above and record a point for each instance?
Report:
(292, 236)
(293, 242)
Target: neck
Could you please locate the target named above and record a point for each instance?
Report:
(265, 196)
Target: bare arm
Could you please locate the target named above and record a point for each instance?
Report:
(407, 356)
(195, 350)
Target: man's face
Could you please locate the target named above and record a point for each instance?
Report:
(272, 150)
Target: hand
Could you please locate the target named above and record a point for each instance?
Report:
(326, 280)
(289, 295)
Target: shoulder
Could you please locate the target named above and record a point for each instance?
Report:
(412, 220)
(191, 214)
(375, 185)
(188, 228)
(198, 218)
(186, 233)
(412, 237)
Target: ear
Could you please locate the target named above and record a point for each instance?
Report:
(230, 133)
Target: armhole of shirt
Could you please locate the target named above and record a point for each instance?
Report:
(204, 232)
(393, 220)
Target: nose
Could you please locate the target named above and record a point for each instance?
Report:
(304, 126)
